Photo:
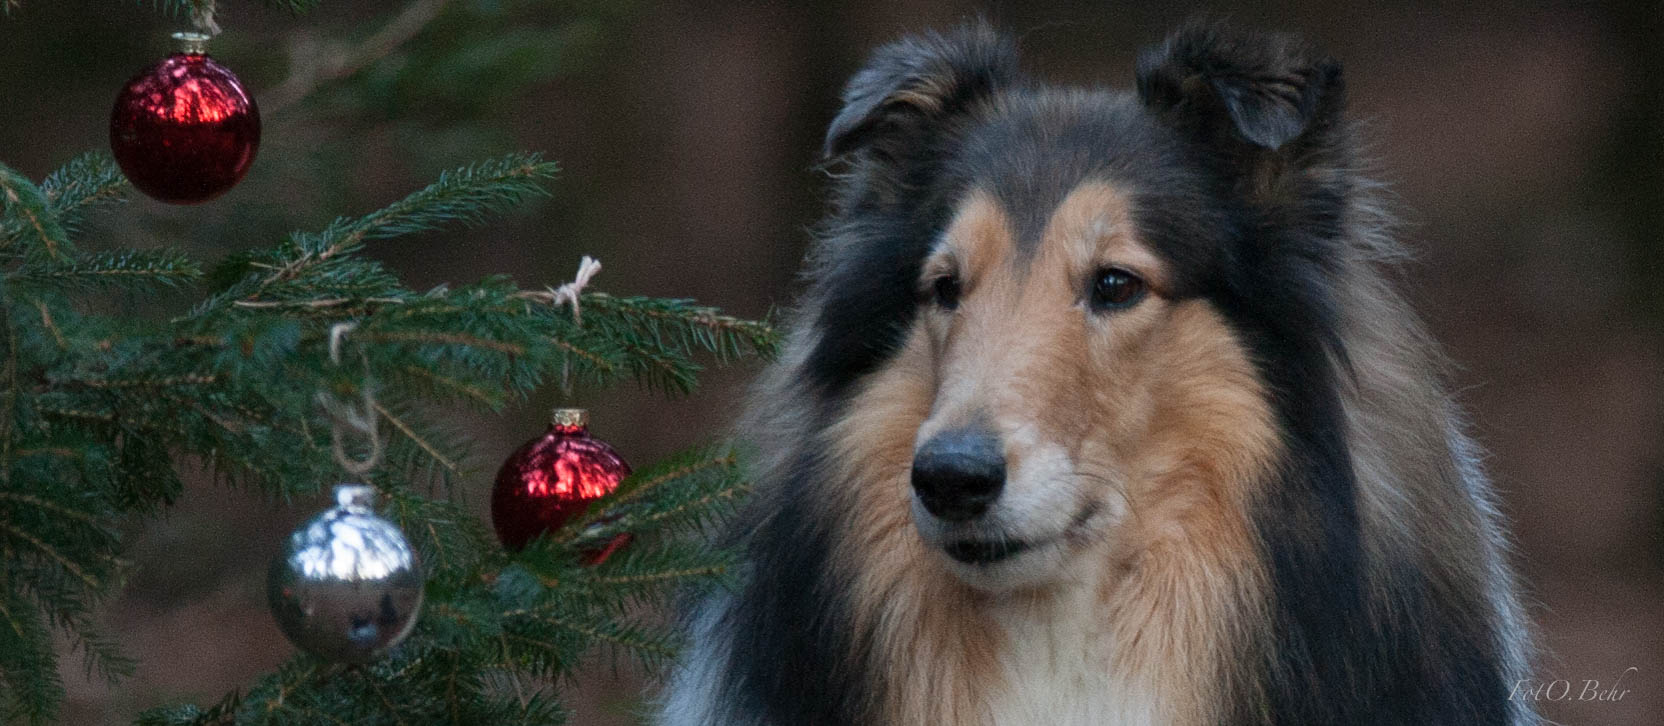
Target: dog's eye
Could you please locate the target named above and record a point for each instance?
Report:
(1114, 289)
(946, 290)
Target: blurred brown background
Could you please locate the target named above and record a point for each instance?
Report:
(1524, 143)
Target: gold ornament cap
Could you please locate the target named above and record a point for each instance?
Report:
(191, 43)
(569, 417)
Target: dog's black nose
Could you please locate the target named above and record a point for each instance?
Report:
(959, 473)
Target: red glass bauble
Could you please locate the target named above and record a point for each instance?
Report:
(184, 131)
(554, 478)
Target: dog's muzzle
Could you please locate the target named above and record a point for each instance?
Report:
(959, 473)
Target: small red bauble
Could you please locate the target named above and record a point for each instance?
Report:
(552, 479)
(184, 131)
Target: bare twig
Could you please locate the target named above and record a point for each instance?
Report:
(311, 68)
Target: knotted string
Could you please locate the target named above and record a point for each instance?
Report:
(569, 294)
(202, 16)
(343, 416)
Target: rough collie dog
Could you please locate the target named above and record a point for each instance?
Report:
(1101, 409)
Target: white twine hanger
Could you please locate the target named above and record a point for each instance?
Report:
(569, 293)
(344, 416)
(202, 16)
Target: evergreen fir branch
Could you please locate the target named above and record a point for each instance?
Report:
(305, 278)
(596, 364)
(641, 567)
(41, 547)
(666, 370)
(67, 567)
(145, 479)
(392, 709)
(49, 323)
(676, 470)
(187, 379)
(28, 670)
(79, 413)
(539, 629)
(698, 509)
(427, 447)
(55, 508)
(70, 612)
(26, 215)
(685, 504)
(467, 195)
(57, 560)
(657, 577)
(242, 349)
(41, 329)
(364, 305)
(536, 710)
(452, 700)
(62, 452)
(132, 269)
(58, 505)
(686, 324)
(646, 574)
(279, 694)
(539, 652)
(87, 180)
(447, 338)
(448, 540)
(103, 657)
(223, 713)
(458, 619)
(437, 385)
(13, 389)
(412, 685)
(98, 409)
(671, 471)
(597, 352)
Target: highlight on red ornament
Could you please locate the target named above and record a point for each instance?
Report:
(554, 478)
(185, 131)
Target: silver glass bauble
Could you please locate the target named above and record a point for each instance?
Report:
(347, 586)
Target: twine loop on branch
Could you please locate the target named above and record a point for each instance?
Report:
(569, 292)
(359, 418)
(337, 333)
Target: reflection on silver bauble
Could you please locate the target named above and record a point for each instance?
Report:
(346, 586)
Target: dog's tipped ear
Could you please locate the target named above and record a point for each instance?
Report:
(1269, 90)
(913, 82)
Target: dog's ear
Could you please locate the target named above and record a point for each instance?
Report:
(911, 84)
(1241, 91)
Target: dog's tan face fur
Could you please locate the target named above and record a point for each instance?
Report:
(1134, 441)
(1106, 417)
(1013, 498)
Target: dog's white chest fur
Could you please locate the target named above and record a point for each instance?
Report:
(1056, 668)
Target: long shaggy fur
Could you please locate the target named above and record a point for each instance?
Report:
(1276, 518)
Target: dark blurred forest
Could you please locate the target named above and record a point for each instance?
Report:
(1523, 144)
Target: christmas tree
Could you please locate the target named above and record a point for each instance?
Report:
(305, 362)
